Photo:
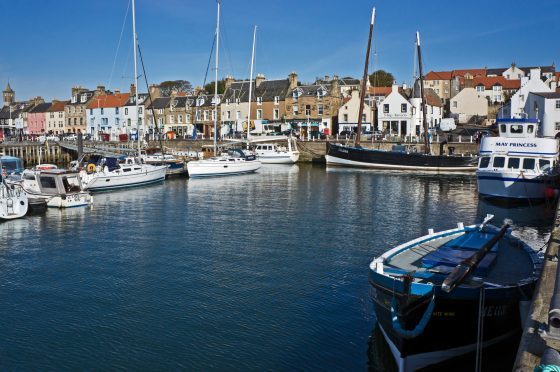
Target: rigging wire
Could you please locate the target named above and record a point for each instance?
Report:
(118, 45)
(209, 60)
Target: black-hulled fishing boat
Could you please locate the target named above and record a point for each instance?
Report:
(399, 158)
(453, 292)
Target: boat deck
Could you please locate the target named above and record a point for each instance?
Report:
(507, 263)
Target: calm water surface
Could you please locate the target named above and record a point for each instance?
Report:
(258, 272)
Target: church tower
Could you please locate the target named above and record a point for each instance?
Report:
(8, 95)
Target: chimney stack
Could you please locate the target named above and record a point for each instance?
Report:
(327, 78)
(132, 89)
(229, 81)
(259, 79)
(293, 80)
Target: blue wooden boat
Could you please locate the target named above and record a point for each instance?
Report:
(427, 320)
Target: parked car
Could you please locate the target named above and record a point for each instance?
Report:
(346, 133)
(52, 137)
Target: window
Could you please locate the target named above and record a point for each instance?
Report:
(295, 108)
(454, 104)
(259, 100)
(521, 97)
(516, 129)
(276, 100)
(259, 114)
(530, 128)
(528, 164)
(102, 111)
(160, 111)
(117, 121)
(480, 88)
(499, 162)
(227, 101)
(81, 121)
(188, 118)
(364, 118)
(484, 162)
(320, 109)
(544, 164)
(497, 88)
(276, 114)
(238, 115)
(75, 121)
(197, 115)
(403, 107)
(345, 116)
(213, 114)
(171, 119)
(237, 101)
(558, 104)
(180, 119)
(307, 110)
(129, 122)
(557, 125)
(139, 110)
(116, 110)
(499, 98)
(205, 115)
(386, 108)
(70, 121)
(513, 163)
(126, 110)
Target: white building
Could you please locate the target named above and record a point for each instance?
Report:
(348, 113)
(434, 109)
(532, 83)
(105, 115)
(546, 108)
(129, 118)
(395, 114)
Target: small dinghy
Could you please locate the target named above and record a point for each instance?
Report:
(453, 292)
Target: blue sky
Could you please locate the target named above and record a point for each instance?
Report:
(49, 46)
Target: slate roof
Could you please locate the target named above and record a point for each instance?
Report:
(89, 95)
(141, 98)
(40, 108)
(267, 89)
(547, 95)
(160, 103)
(495, 71)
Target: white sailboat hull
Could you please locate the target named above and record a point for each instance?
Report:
(109, 180)
(213, 168)
(13, 202)
(278, 158)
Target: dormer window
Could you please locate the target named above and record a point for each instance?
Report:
(259, 100)
(497, 88)
(321, 93)
(215, 100)
(480, 88)
(276, 100)
(200, 101)
(83, 98)
(74, 99)
(227, 101)
(237, 101)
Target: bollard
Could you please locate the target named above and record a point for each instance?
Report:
(554, 312)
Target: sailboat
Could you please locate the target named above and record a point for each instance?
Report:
(107, 173)
(13, 201)
(398, 158)
(236, 161)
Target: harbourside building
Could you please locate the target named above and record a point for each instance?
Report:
(395, 114)
(433, 106)
(313, 107)
(348, 113)
(546, 108)
(496, 89)
(75, 111)
(37, 118)
(105, 115)
(55, 117)
(468, 104)
(516, 107)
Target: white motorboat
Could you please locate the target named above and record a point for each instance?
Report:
(269, 151)
(518, 165)
(107, 173)
(235, 162)
(175, 165)
(13, 201)
(59, 188)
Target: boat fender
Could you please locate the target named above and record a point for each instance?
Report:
(417, 331)
(91, 168)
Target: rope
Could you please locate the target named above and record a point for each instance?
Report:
(416, 331)
(547, 368)
(118, 46)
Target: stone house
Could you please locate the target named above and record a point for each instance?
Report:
(315, 105)
(75, 111)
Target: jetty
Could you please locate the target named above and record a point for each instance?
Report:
(540, 342)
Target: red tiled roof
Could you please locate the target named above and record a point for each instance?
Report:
(58, 106)
(473, 71)
(109, 100)
(381, 91)
(439, 75)
(557, 74)
(490, 81)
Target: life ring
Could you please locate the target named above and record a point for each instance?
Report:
(90, 168)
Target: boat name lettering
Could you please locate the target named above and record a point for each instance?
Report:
(516, 144)
(493, 310)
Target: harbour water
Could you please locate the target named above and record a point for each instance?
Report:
(267, 271)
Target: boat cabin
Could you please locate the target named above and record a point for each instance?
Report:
(517, 128)
(515, 163)
(57, 182)
(11, 165)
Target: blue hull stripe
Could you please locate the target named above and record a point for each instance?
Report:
(103, 188)
(497, 178)
(221, 174)
(523, 152)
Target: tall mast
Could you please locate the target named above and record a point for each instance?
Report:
(216, 82)
(424, 122)
(135, 45)
(364, 79)
(251, 81)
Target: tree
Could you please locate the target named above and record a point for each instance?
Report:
(167, 87)
(381, 78)
(209, 88)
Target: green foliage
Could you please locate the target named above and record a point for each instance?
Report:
(381, 78)
(174, 85)
(209, 88)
